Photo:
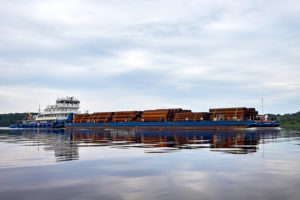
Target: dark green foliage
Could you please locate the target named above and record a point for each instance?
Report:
(287, 120)
(290, 120)
(11, 118)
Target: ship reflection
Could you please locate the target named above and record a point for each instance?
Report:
(66, 143)
(234, 142)
(54, 140)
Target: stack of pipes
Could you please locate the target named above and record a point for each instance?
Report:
(101, 117)
(124, 116)
(251, 114)
(232, 114)
(173, 111)
(191, 116)
(155, 115)
(81, 118)
(159, 115)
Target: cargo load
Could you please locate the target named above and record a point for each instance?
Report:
(81, 118)
(101, 117)
(233, 114)
(159, 115)
(125, 116)
(191, 116)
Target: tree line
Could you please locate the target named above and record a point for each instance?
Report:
(287, 120)
(11, 118)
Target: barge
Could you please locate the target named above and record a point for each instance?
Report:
(65, 114)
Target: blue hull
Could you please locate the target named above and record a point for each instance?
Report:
(55, 124)
(39, 125)
(197, 124)
(266, 124)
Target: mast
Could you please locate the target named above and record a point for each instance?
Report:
(262, 105)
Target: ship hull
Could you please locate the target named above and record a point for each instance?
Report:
(154, 125)
(174, 125)
(39, 125)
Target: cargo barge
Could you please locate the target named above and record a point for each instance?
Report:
(65, 114)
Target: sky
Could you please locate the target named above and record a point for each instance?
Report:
(138, 54)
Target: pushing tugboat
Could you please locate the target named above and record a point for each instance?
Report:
(54, 116)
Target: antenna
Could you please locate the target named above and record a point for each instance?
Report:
(262, 105)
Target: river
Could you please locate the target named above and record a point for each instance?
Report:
(149, 164)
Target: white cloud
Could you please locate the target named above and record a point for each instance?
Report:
(166, 50)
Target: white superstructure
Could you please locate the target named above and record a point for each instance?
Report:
(59, 111)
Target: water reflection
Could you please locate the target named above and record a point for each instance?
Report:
(66, 143)
(148, 164)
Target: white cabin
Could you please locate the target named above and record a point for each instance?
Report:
(59, 111)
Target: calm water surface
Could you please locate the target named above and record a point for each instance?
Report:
(149, 164)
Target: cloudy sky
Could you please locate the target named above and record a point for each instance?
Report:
(140, 54)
